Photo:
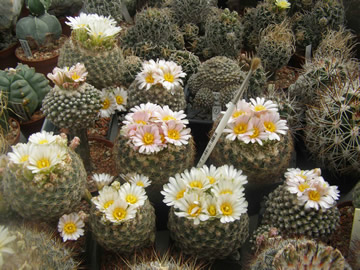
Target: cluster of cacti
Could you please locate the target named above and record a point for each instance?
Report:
(356, 196)
(188, 61)
(256, 141)
(298, 254)
(276, 46)
(34, 249)
(96, 47)
(258, 18)
(332, 126)
(39, 28)
(138, 147)
(160, 83)
(122, 218)
(224, 33)
(72, 103)
(132, 66)
(154, 34)
(207, 202)
(43, 178)
(305, 205)
(24, 86)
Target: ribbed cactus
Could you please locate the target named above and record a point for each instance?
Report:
(39, 28)
(276, 46)
(298, 254)
(24, 86)
(224, 33)
(356, 196)
(332, 126)
(34, 249)
(44, 178)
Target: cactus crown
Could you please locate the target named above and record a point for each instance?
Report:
(279, 33)
(69, 78)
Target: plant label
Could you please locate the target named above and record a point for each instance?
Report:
(25, 46)
(216, 109)
(308, 54)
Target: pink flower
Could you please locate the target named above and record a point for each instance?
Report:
(148, 139)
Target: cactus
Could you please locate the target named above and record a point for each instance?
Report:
(43, 180)
(9, 12)
(153, 34)
(34, 249)
(39, 29)
(125, 233)
(277, 45)
(132, 66)
(188, 61)
(204, 99)
(298, 254)
(332, 126)
(224, 33)
(24, 86)
(305, 205)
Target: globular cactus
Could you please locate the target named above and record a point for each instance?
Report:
(188, 61)
(276, 46)
(298, 254)
(35, 249)
(224, 33)
(39, 28)
(24, 86)
(332, 126)
(329, 14)
(44, 178)
(356, 196)
(96, 47)
(304, 205)
(153, 35)
(132, 66)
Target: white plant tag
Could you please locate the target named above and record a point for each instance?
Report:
(355, 233)
(25, 46)
(20, 111)
(308, 54)
(216, 108)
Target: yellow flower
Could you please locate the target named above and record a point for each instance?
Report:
(282, 4)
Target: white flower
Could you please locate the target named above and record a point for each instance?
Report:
(238, 128)
(230, 173)
(102, 179)
(148, 139)
(120, 211)
(258, 134)
(212, 173)
(149, 108)
(109, 104)
(231, 207)
(260, 106)
(210, 206)
(102, 29)
(305, 174)
(121, 99)
(107, 196)
(228, 187)
(170, 76)
(196, 179)
(146, 78)
(43, 137)
(174, 190)
(274, 125)
(71, 227)
(139, 180)
(79, 22)
(44, 158)
(133, 194)
(175, 133)
(165, 114)
(242, 108)
(5, 239)
(297, 185)
(20, 153)
(191, 207)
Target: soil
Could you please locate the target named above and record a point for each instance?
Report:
(101, 127)
(13, 135)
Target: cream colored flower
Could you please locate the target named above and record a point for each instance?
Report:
(133, 194)
(195, 179)
(230, 173)
(175, 133)
(120, 211)
(5, 239)
(170, 76)
(20, 153)
(274, 125)
(109, 104)
(139, 180)
(102, 179)
(107, 196)
(191, 206)
(43, 137)
(121, 99)
(71, 227)
(282, 4)
(43, 159)
(174, 190)
(211, 173)
(231, 207)
(146, 78)
(260, 106)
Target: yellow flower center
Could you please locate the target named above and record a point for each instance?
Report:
(212, 210)
(75, 76)
(168, 117)
(106, 104)
(240, 128)
(108, 203)
(196, 184)
(270, 126)
(140, 184)
(314, 195)
(43, 163)
(259, 108)
(180, 194)
(303, 186)
(148, 138)
(149, 78)
(119, 100)
(43, 141)
(24, 158)
(226, 209)
(211, 179)
(255, 133)
(194, 210)
(237, 114)
(140, 122)
(226, 191)
(173, 134)
(169, 77)
(130, 198)
(119, 213)
(70, 228)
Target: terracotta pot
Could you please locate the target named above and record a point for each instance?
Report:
(33, 125)
(8, 58)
